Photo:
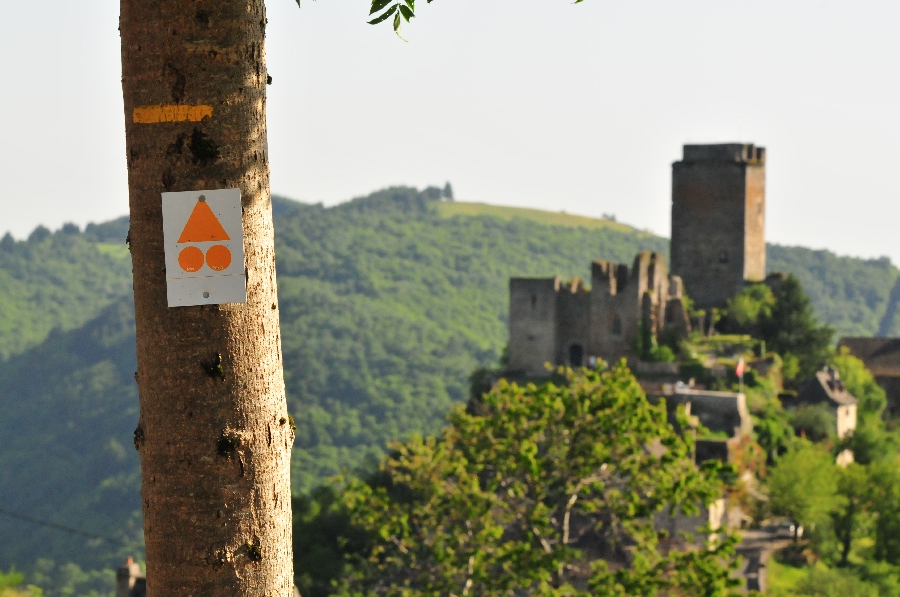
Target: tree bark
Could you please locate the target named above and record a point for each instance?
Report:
(214, 433)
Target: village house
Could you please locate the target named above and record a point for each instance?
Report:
(827, 388)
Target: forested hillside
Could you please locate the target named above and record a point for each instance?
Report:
(387, 302)
(59, 280)
(852, 295)
(69, 407)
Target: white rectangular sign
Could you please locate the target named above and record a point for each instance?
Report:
(203, 235)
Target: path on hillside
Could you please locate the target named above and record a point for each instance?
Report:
(756, 547)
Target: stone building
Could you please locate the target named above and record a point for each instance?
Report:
(723, 413)
(718, 220)
(720, 412)
(827, 388)
(882, 357)
(567, 324)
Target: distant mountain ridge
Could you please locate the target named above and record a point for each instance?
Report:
(388, 303)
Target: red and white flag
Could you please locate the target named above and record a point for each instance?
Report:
(739, 370)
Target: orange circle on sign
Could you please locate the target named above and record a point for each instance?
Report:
(190, 259)
(218, 257)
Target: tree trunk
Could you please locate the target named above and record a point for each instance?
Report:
(214, 433)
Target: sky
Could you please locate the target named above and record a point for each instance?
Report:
(536, 103)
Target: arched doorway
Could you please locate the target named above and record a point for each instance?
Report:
(576, 355)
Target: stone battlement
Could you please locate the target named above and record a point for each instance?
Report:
(725, 152)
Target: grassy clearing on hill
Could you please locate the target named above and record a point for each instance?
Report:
(450, 209)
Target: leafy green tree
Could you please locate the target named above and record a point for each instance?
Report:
(851, 503)
(748, 307)
(792, 330)
(69, 579)
(536, 495)
(648, 349)
(860, 382)
(885, 499)
(322, 538)
(773, 429)
(815, 422)
(831, 583)
(872, 443)
(12, 585)
(882, 574)
(803, 485)
(780, 314)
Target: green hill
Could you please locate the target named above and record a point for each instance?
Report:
(852, 295)
(388, 303)
(59, 280)
(69, 407)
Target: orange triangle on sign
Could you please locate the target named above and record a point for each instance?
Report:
(202, 226)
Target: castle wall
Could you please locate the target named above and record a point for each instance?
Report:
(654, 289)
(532, 324)
(623, 298)
(614, 311)
(676, 322)
(846, 420)
(573, 324)
(718, 205)
(567, 324)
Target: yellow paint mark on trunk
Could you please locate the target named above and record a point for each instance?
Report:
(171, 113)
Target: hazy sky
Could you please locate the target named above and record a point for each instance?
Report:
(536, 103)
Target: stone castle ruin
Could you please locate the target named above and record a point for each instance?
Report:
(565, 323)
(718, 244)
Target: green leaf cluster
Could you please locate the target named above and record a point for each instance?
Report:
(396, 8)
(70, 580)
(648, 348)
(781, 314)
(12, 584)
(537, 496)
(852, 519)
(803, 484)
(860, 382)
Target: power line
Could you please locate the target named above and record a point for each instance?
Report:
(61, 527)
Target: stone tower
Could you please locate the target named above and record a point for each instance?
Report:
(718, 220)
